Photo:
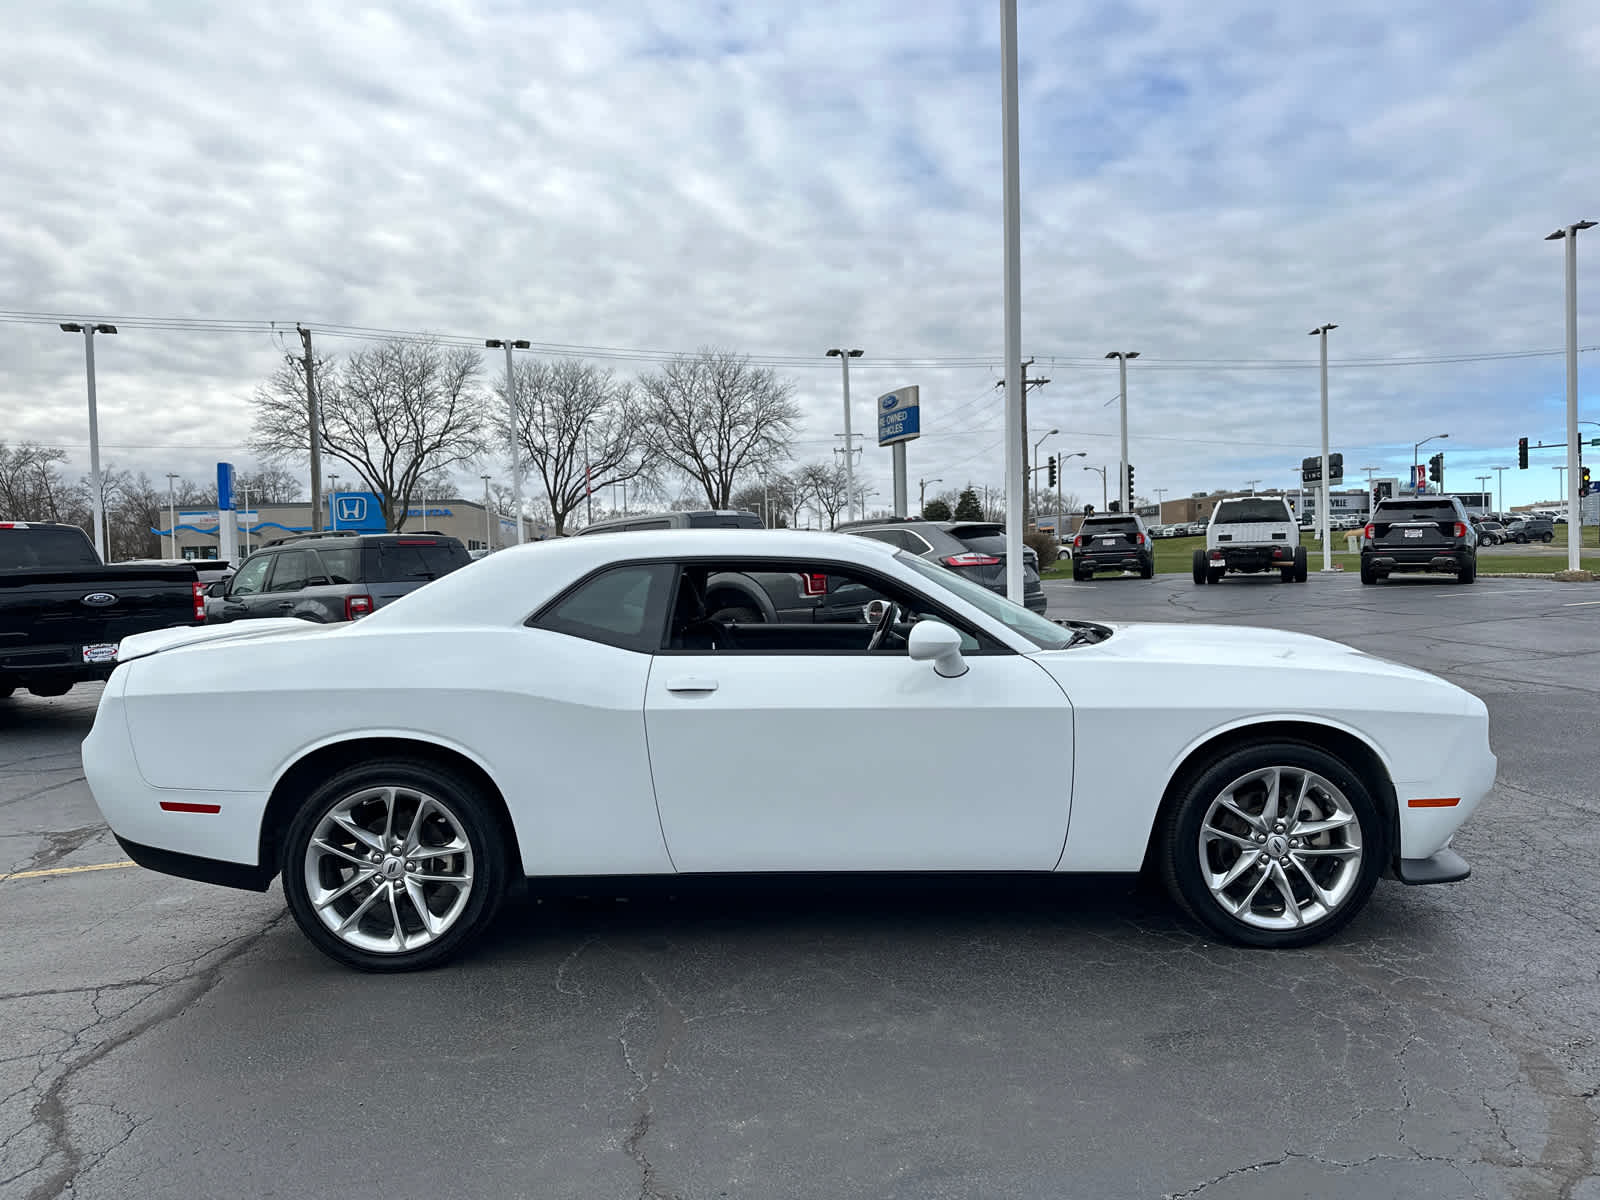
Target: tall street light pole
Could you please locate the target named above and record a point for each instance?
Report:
(1252, 483)
(1415, 462)
(98, 501)
(333, 503)
(1124, 492)
(1483, 481)
(1104, 503)
(1371, 504)
(1061, 471)
(510, 344)
(1500, 488)
(1012, 209)
(488, 527)
(1570, 236)
(844, 356)
(922, 493)
(172, 513)
(1321, 334)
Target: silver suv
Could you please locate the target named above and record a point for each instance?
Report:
(332, 576)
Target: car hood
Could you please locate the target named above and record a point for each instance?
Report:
(1271, 653)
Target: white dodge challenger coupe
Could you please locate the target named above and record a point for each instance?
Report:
(576, 709)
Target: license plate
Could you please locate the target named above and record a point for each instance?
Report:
(1415, 532)
(100, 652)
(1108, 541)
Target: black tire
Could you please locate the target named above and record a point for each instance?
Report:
(1548, 538)
(1368, 575)
(1216, 576)
(1301, 570)
(1147, 570)
(472, 813)
(738, 614)
(1286, 574)
(1183, 866)
(1201, 575)
(1079, 575)
(5, 692)
(1468, 572)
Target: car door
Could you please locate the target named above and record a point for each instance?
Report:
(841, 759)
(285, 594)
(243, 597)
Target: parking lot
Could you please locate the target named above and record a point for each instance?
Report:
(986, 1038)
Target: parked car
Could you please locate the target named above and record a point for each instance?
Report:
(63, 613)
(336, 576)
(1422, 533)
(1530, 529)
(1490, 533)
(710, 518)
(1251, 534)
(399, 806)
(976, 549)
(1112, 542)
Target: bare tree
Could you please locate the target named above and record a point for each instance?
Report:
(271, 485)
(775, 496)
(578, 429)
(823, 486)
(714, 417)
(394, 412)
(32, 487)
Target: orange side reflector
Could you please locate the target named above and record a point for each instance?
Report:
(1440, 802)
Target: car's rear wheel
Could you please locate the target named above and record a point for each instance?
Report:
(1468, 572)
(1277, 844)
(737, 614)
(1548, 538)
(1147, 570)
(1301, 569)
(1216, 576)
(1368, 574)
(1201, 575)
(394, 865)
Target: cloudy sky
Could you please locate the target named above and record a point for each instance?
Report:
(1201, 182)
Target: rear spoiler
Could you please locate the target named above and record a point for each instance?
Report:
(142, 645)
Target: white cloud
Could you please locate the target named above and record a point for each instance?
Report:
(1200, 182)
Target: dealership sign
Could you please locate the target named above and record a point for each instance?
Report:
(899, 416)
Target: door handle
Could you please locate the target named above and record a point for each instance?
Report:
(692, 685)
(285, 605)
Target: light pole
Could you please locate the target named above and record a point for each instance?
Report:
(98, 500)
(1500, 485)
(1061, 470)
(844, 357)
(1123, 491)
(247, 510)
(1483, 481)
(1371, 503)
(1027, 495)
(333, 502)
(1570, 235)
(1104, 503)
(1252, 483)
(1561, 485)
(1415, 490)
(1321, 334)
(922, 493)
(488, 527)
(172, 513)
(510, 344)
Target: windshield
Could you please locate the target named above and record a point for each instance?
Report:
(26, 549)
(1109, 525)
(1240, 512)
(1047, 635)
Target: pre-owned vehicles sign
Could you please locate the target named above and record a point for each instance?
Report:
(899, 416)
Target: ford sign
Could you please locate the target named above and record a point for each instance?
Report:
(889, 401)
(900, 415)
(99, 599)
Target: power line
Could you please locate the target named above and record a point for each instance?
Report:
(774, 359)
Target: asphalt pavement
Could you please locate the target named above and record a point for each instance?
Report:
(167, 1039)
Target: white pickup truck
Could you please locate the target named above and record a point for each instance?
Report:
(1251, 534)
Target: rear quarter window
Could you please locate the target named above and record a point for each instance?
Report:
(416, 560)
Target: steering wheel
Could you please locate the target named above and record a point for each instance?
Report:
(891, 611)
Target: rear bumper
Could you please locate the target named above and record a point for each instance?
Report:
(1253, 558)
(1035, 601)
(192, 866)
(1426, 558)
(1118, 561)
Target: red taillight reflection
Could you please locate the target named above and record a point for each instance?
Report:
(356, 606)
(1369, 532)
(1078, 541)
(814, 583)
(199, 602)
(1461, 530)
(971, 559)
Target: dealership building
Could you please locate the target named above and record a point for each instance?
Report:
(199, 530)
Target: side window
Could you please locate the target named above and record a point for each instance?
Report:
(295, 569)
(623, 607)
(341, 566)
(251, 578)
(659, 523)
(895, 537)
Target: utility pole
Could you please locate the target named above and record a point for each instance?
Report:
(588, 483)
(844, 355)
(1027, 476)
(172, 514)
(1321, 334)
(313, 427)
(922, 493)
(1571, 483)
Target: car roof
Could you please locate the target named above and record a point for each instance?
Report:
(511, 583)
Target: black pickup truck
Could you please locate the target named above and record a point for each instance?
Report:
(63, 611)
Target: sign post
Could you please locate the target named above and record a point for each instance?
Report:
(227, 523)
(899, 421)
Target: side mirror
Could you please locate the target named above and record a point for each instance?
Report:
(219, 588)
(936, 642)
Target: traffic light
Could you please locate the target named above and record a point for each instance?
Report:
(1052, 475)
(1114, 506)
(1583, 485)
(1522, 453)
(1130, 484)
(1436, 468)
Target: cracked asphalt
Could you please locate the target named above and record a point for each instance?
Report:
(998, 1038)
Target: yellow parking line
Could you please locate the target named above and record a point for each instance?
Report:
(111, 866)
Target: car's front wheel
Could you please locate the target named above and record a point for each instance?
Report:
(1277, 844)
(394, 865)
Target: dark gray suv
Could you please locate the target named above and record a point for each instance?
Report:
(332, 576)
(975, 549)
